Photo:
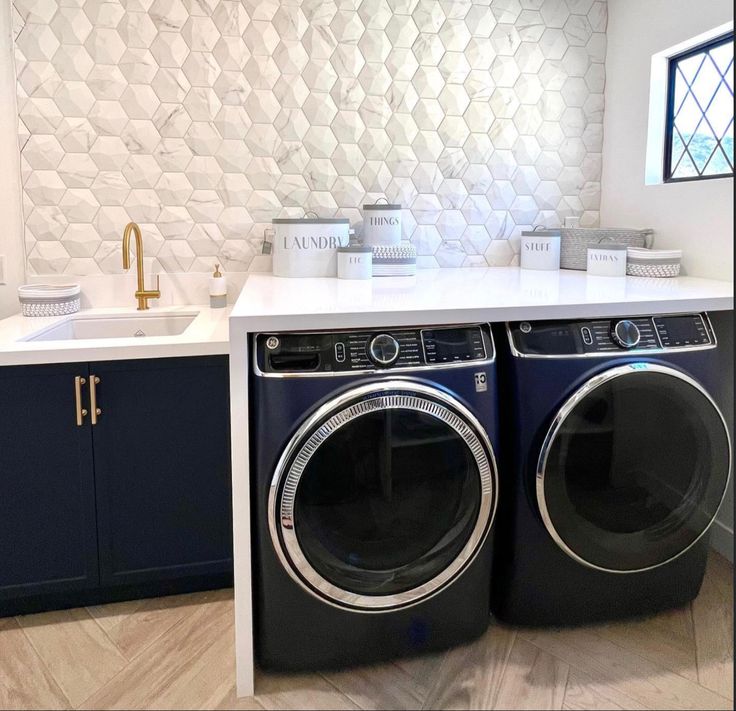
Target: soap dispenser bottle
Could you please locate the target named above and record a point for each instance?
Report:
(218, 289)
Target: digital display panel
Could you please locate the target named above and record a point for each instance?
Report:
(452, 344)
(681, 330)
(548, 340)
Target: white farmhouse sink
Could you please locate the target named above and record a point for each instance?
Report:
(116, 326)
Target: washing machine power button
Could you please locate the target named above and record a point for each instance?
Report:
(626, 334)
(383, 349)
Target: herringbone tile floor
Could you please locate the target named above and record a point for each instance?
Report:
(177, 653)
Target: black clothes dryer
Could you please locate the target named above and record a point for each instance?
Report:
(619, 460)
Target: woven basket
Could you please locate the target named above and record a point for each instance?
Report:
(49, 299)
(400, 260)
(653, 262)
(575, 242)
(653, 270)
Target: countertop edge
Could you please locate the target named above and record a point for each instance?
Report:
(105, 353)
(515, 312)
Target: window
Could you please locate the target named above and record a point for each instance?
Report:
(700, 112)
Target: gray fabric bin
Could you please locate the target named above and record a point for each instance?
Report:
(576, 240)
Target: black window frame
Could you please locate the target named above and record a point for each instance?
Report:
(670, 114)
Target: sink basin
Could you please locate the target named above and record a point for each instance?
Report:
(116, 326)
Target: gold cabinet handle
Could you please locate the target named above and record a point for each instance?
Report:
(80, 411)
(94, 381)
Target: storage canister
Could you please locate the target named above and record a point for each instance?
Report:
(576, 240)
(382, 225)
(540, 249)
(49, 299)
(607, 259)
(395, 261)
(307, 247)
(354, 262)
(653, 262)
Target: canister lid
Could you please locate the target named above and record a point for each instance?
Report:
(310, 221)
(541, 233)
(355, 249)
(382, 206)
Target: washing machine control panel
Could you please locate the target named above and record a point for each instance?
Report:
(353, 351)
(620, 336)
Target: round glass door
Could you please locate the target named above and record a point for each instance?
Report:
(633, 469)
(383, 496)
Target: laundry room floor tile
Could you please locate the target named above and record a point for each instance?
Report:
(178, 653)
(713, 624)
(470, 676)
(667, 639)
(384, 686)
(532, 679)
(25, 682)
(73, 647)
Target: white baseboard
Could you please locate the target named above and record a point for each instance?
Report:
(721, 539)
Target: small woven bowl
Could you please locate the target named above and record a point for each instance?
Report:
(49, 299)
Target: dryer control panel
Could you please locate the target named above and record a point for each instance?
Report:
(355, 351)
(637, 334)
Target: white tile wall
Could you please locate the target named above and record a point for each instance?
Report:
(204, 119)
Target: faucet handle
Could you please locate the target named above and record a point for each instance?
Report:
(158, 283)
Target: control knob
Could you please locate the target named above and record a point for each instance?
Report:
(625, 334)
(383, 349)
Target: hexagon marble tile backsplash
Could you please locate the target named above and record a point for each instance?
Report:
(204, 119)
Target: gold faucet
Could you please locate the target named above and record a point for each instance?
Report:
(141, 294)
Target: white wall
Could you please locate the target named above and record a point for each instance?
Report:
(696, 217)
(11, 223)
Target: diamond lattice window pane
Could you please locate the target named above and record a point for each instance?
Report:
(689, 67)
(700, 123)
(702, 145)
(689, 115)
(706, 83)
(686, 167)
(720, 113)
(680, 91)
(718, 164)
(722, 56)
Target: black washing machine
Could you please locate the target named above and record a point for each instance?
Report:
(374, 489)
(619, 461)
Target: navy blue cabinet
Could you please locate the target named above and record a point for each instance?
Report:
(48, 531)
(162, 467)
(134, 504)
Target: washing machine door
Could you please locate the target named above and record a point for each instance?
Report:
(383, 496)
(633, 468)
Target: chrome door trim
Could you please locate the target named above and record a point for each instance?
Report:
(390, 394)
(380, 371)
(516, 353)
(561, 416)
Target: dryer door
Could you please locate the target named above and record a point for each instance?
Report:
(383, 496)
(633, 469)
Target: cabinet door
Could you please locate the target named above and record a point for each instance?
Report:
(162, 467)
(48, 537)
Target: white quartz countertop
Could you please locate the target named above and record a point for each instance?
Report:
(433, 296)
(436, 296)
(206, 335)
